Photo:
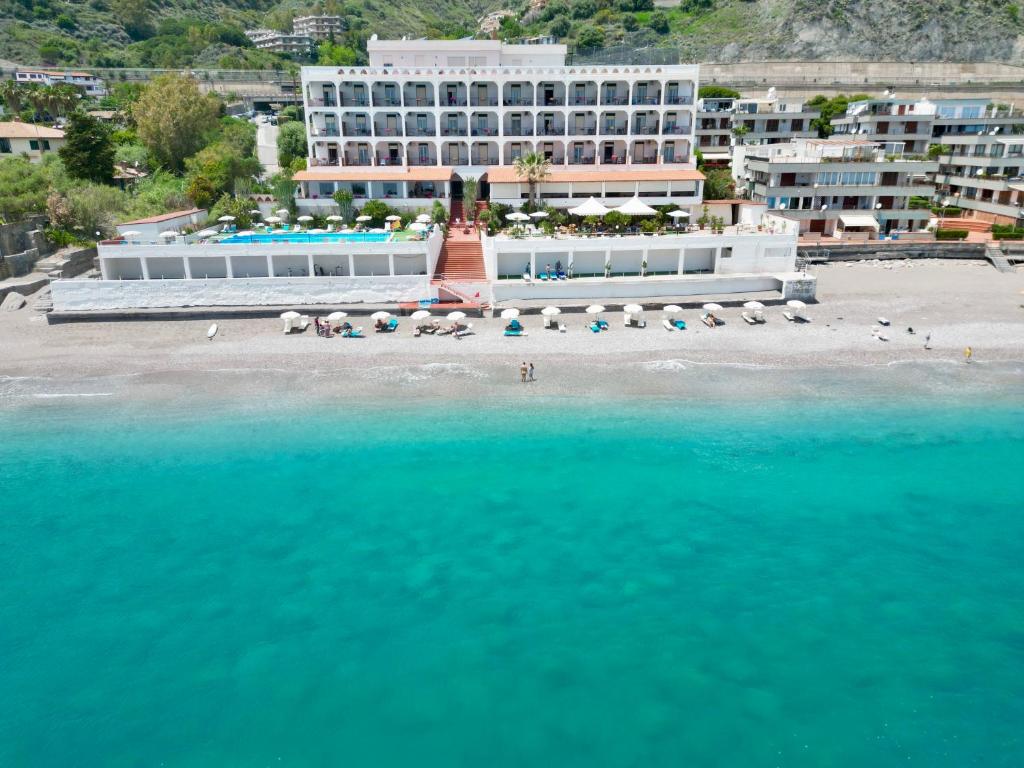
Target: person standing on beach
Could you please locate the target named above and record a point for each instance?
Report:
(531, 373)
(928, 340)
(522, 372)
(968, 354)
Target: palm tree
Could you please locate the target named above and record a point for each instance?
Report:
(12, 96)
(534, 168)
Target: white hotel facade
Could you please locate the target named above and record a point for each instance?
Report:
(455, 109)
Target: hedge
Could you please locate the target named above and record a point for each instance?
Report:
(1007, 233)
(950, 234)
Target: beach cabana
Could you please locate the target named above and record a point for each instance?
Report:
(549, 313)
(293, 320)
(636, 207)
(590, 208)
(633, 314)
(672, 321)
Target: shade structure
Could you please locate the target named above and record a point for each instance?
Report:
(335, 217)
(455, 316)
(420, 314)
(381, 315)
(290, 315)
(337, 315)
(590, 208)
(517, 216)
(551, 311)
(509, 314)
(636, 207)
(226, 218)
(256, 212)
(595, 309)
(796, 304)
(753, 305)
(316, 231)
(423, 218)
(392, 218)
(207, 233)
(712, 307)
(131, 233)
(273, 219)
(539, 215)
(282, 211)
(673, 309)
(168, 233)
(364, 218)
(418, 226)
(679, 214)
(305, 217)
(633, 309)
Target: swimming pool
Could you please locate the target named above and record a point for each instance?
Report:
(307, 237)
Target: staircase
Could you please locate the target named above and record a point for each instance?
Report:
(994, 253)
(461, 259)
(971, 225)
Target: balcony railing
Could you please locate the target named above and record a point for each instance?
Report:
(488, 102)
(614, 130)
(446, 131)
(411, 101)
(586, 160)
(551, 130)
(672, 129)
(553, 102)
(387, 101)
(381, 130)
(585, 101)
(329, 101)
(521, 101)
(645, 130)
(519, 131)
(647, 100)
(614, 99)
(613, 160)
(354, 101)
(645, 160)
(326, 132)
(422, 161)
(358, 161)
(678, 100)
(324, 161)
(485, 160)
(586, 130)
(414, 131)
(355, 130)
(459, 161)
(389, 159)
(453, 101)
(485, 131)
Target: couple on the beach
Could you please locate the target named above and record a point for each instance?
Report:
(526, 372)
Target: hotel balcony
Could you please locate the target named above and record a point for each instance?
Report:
(386, 95)
(321, 95)
(354, 95)
(454, 124)
(518, 94)
(646, 93)
(484, 153)
(551, 94)
(483, 95)
(356, 127)
(644, 152)
(518, 124)
(420, 124)
(391, 156)
(452, 95)
(616, 93)
(645, 124)
(582, 124)
(421, 153)
(613, 124)
(550, 125)
(581, 153)
(679, 92)
(676, 125)
(320, 127)
(484, 124)
(582, 94)
(418, 95)
(454, 153)
(612, 153)
(511, 150)
(359, 155)
(389, 124)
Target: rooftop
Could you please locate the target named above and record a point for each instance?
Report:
(15, 129)
(162, 217)
(405, 173)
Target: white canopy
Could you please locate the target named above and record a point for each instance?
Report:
(418, 226)
(381, 315)
(796, 304)
(673, 309)
(551, 311)
(424, 217)
(290, 315)
(207, 233)
(633, 309)
(256, 212)
(305, 217)
(131, 233)
(392, 217)
(539, 215)
(679, 214)
(337, 315)
(509, 314)
(454, 316)
(595, 309)
(517, 216)
(636, 207)
(420, 314)
(754, 305)
(852, 220)
(364, 218)
(283, 211)
(168, 233)
(712, 307)
(590, 208)
(226, 218)
(335, 217)
(272, 219)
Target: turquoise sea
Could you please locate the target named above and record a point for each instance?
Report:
(604, 584)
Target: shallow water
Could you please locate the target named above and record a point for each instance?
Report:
(674, 584)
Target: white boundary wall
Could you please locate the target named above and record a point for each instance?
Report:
(85, 295)
(634, 288)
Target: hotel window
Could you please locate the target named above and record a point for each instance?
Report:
(421, 94)
(5, 146)
(326, 188)
(670, 153)
(453, 123)
(515, 94)
(424, 154)
(359, 190)
(421, 123)
(390, 189)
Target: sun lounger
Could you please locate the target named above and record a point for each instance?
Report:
(748, 319)
(352, 333)
(466, 330)
(595, 327)
(392, 324)
(561, 327)
(603, 325)
(543, 276)
(303, 323)
(667, 324)
(709, 320)
(679, 324)
(883, 321)
(520, 332)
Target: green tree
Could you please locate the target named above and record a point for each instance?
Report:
(12, 96)
(332, 55)
(228, 205)
(291, 143)
(87, 152)
(717, 92)
(283, 188)
(23, 188)
(201, 190)
(173, 119)
(719, 184)
(658, 21)
(378, 211)
(589, 37)
(533, 168)
(830, 108)
(560, 27)
(344, 200)
(469, 190)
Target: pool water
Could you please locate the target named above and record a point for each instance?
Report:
(306, 237)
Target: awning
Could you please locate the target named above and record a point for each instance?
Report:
(375, 173)
(850, 222)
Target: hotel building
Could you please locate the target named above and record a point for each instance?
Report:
(89, 84)
(318, 27)
(841, 187)
(461, 108)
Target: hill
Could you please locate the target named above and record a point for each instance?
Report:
(208, 33)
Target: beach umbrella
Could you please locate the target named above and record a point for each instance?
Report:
(713, 307)
(305, 217)
(753, 305)
(364, 218)
(595, 309)
(509, 314)
(337, 315)
(796, 304)
(131, 233)
(423, 218)
(551, 311)
(207, 233)
(633, 309)
(636, 207)
(316, 232)
(590, 208)
(290, 315)
(392, 218)
(169, 233)
(418, 226)
(272, 219)
(517, 216)
(539, 215)
(456, 316)
(335, 217)
(382, 315)
(420, 314)
(226, 218)
(243, 233)
(679, 214)
(256, 212)
(673, 309)
(282, 211)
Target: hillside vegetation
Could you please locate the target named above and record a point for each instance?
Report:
(208, 33)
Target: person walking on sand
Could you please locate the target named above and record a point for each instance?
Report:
(968, 354)
(522, 372)
(530, 377)
(928, 340)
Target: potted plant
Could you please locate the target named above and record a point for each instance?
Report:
(705, 218)
(643, 267)
(608, 268)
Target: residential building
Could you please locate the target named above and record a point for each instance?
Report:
(771, 120)
(714, 129)
(318, 27)
(841, 187)
(28, 140)
(87, 83)
(281, 42)
(150, 227)
(473, 105)
(901, 126)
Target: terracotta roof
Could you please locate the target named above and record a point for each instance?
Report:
(506, 174)
(397, 173)
(162, 217)
(19, 130)
(734, 201)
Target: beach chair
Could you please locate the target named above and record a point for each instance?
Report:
(602, 324)
(668, 326)
(561, 327)
(392, 324)
(519, 332)
(303, 322)
(547, 321)
(709, 320)
(595, 326)
(748, 318)
(679, 324)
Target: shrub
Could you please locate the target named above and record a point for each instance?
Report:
(950, 234)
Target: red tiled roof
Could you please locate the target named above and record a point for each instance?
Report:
(162, 217)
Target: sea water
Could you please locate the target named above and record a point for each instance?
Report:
(615, 584)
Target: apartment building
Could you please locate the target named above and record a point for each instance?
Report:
(714, 129)
(281, 42)
(89, 84)
(470, 105)
(771, 120)
(843, 187)
(318, 27)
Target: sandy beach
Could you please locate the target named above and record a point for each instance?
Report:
(959, 303)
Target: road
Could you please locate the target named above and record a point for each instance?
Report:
(266, 147)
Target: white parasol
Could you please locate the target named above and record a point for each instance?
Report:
(305, 217)
(713, 307)
(539, 215)
(509, 314)
(456, 316)
(636, 207)
(517, 216)
(381, 315)
(673, 309)
(753, 305)
(335, 217)
(679, 214)
(168, 233)
(633, 309)
(226, 218)
(595, 309)
(551, 311)
(420, 314)
(590, 208)
(796, 304)
(364, 218)
(337, 315)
